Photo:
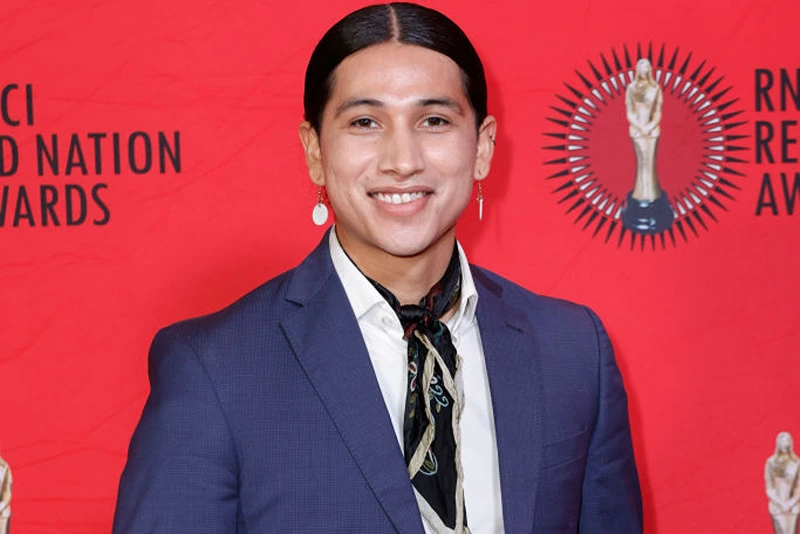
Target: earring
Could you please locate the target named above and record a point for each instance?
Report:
(480, 202)
(320, 212)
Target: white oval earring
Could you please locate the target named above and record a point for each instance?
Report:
(320, 212)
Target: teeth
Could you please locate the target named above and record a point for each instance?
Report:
(397, 198)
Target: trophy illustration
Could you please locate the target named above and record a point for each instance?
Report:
(782, 477)
(5, 497)
(646, 210)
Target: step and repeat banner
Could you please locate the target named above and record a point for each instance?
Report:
(646, 165)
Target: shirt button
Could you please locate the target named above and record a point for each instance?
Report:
(387, 321)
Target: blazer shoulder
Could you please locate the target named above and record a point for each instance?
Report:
(542, 310)
(257, 310)
(265, 306)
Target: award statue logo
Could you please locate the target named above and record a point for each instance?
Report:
(648, 147)
(5, 497)
(782, 479)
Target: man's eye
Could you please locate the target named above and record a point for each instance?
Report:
(363, 123)
(436, 121)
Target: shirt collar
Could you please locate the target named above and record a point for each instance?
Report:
(360, 292)
(363, 296)
(469, 296)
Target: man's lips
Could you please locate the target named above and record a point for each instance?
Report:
(398, 197)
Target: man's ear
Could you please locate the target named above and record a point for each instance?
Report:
(310, 140)
(486, 137)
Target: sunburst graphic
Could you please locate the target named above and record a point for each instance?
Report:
(698, 156)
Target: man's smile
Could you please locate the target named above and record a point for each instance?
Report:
(398, 198)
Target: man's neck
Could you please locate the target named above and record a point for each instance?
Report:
(409, 278)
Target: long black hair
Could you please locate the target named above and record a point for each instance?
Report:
(395, 22)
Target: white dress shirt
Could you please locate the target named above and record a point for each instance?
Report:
(388, 351)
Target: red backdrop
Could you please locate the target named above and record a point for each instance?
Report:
(705, 331)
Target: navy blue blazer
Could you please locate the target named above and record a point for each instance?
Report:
(266, 417)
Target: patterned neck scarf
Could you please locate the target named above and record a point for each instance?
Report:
(433, 406)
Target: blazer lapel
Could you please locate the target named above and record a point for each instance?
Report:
(516, 389)
(327, 341)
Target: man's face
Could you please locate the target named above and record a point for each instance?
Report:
(398, 150)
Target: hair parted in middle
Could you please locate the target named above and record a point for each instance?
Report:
(395, 22)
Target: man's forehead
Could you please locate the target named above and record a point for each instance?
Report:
(397, 67)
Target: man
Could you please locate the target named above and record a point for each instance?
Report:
(384, 385)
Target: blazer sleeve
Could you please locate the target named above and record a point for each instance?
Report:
(611, 499)
(181, 474)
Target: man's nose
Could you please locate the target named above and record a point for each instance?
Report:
(402, 153)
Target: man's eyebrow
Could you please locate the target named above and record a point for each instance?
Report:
(424, 102)
(356, 102)
(443, 101)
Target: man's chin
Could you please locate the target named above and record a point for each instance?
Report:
(418, 247)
